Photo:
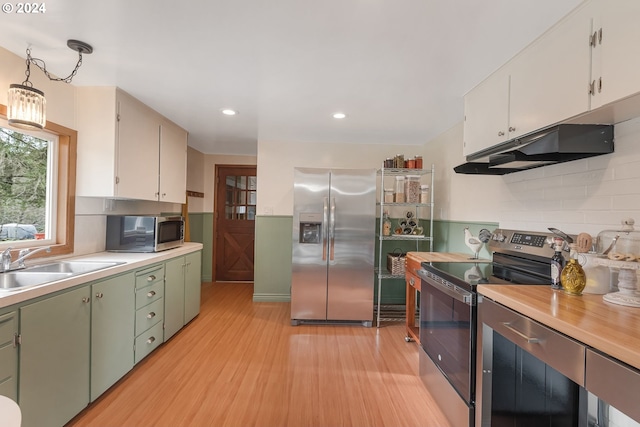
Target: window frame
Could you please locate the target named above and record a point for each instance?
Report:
(65, 193)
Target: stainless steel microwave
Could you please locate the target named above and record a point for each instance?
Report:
(135, 233)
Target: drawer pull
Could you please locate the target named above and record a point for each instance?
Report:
(86, 299)
(151, 278)
(520, 334)
(151, 315)
(151, 294)
(151, 340)
(99, 295)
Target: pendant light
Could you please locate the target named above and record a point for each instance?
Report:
(26, 106)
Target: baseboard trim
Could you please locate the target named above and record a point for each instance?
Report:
(258, 297)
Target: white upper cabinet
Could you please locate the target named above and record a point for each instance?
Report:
(122, 152)
(549, 80)
(616, 57)
(486, 109)
(173, 163)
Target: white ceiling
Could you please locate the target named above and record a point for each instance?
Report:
(397, 68)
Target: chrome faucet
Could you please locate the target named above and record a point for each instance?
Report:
(5, 260)
(26, 253)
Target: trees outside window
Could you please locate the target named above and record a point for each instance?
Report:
(26, 174)
(37, 188)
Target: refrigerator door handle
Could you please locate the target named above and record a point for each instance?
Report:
(332, 228)
(325, 221)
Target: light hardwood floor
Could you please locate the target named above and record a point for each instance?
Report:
(240, 363)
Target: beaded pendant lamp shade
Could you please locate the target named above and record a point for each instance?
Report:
(26, 106)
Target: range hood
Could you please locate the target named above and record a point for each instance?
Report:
(558, 144)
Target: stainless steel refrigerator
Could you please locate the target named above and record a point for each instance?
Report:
(333, 245)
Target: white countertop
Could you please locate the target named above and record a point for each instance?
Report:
(130, 261)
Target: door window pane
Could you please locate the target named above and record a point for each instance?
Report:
(241, 196)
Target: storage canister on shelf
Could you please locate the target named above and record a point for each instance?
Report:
(418, 162)
(388, 195)
(411, 163)
(399, 161)
(424, 193)
(399, 193)
(389, 163)
(412, 189)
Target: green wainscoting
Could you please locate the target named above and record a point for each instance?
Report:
(272, 266)
(201, 231)
(272, 280)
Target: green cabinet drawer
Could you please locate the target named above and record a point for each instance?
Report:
(149, 315)
(148, 341)
(149, 276)
(149, 294)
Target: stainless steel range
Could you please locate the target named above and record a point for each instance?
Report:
(448, 313)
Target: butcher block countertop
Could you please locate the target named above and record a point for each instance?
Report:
(612, 329)
(443, 257)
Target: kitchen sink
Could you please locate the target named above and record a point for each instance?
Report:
(72, 267)
(16, 280)
(45, 273)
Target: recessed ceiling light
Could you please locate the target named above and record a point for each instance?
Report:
(229, 112)
(339, 115)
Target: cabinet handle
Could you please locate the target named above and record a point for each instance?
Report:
(592, 88)
(512, 129)
(151, 278)
(151, 340)
(501, 133)
(592, 39)
(86, 299)
(600, 36)
(151, 294)
(99, 295)
(412, 281)
(151, 315)
(164, 195)
(528, 339)
(600, 85)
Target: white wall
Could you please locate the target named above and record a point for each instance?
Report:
(587, 195)
(277, 159)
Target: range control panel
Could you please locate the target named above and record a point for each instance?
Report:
(529, 239)
(538, 243)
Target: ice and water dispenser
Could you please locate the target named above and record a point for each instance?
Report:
(310, 228)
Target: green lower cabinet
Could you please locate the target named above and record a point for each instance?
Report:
(54, 358)
(192, 285)
(112, 331)
(9, 355)
(173, 296)
(182, 292)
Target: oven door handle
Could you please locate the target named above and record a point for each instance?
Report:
(449, 289)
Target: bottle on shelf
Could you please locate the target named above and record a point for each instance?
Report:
(386, 224)
(557, 263)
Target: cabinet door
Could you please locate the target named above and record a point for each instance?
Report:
(486, 113)
(112, 331)
(137, 150)
(9, 355)
(616, 58)
(54, 358)
(550, 79)
(174, 296)
(173, 163)
(192, 286)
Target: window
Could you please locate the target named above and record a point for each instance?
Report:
(37, 187)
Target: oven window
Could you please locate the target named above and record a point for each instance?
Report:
(445, 335)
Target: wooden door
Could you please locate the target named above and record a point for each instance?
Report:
(235, 210)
